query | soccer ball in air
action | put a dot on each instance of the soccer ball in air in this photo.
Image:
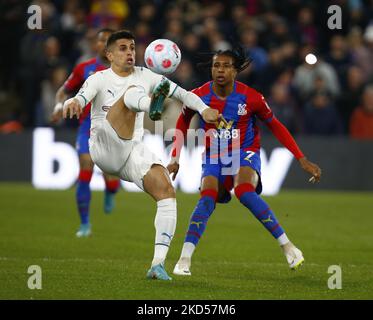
(162, 56)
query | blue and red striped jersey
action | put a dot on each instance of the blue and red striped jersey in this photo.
(240, 109)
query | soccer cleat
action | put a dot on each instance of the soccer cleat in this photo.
(84, 231)
(159, 95)
(182, 267)
(108, 202)
(294, 257)
(158, 272)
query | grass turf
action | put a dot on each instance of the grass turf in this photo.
(236, 258)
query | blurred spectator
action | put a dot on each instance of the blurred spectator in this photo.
(305, 75)
(270, 73)
(339, 57)
(67, 19)
(289, 53)
(249, 39)
(361, 55)
(306, 28)
(87, 45)
(49, 89)
(279, 33)
(190, 45)
(185, 76)
(284, 107)
(140, 52)
(361, 124)
(147, 12)
(321, 116)
(108, 13)
(350, 96)
(174, 31)
(368, 37)
(218, 43)
(142, 33)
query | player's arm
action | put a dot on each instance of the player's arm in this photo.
(286, 139)
(73, 83)
(60, 98)
(189, 99)
(182, 125)
(195, 103)
(74, 106)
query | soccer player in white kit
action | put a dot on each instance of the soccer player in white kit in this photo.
(120, 95)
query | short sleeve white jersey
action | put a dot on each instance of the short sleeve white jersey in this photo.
(105, 87)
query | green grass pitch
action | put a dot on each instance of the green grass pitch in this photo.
(236, 259)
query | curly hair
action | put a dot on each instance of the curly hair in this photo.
(240, 60)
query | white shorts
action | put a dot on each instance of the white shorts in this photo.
(130, 160)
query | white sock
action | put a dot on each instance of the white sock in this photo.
(283, 239)
(137, 100)
(188, 249)
(165, 225)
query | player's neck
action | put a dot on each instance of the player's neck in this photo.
(121, 72)
(223, 91)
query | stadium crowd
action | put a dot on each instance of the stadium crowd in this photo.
(334, 96)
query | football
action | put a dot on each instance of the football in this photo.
(162, 56)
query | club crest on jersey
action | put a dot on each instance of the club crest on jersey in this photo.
(242, 109)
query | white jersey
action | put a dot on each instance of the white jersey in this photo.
(128, 159)
(104, 88)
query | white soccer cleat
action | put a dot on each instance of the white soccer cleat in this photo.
(84, 231)
(182, 267)
(294, 257)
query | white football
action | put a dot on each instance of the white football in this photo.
(162, 56)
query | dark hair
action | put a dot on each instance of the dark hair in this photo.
(240, 60)
(108, 30)
(121, 34)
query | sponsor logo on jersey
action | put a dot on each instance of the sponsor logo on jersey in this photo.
(242, 109)
(105, 108)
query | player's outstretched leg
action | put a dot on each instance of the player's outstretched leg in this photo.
(158, 185)
(112, 185)
(197, 226)
(250, 199)
(83, 198)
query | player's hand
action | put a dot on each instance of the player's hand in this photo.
(72, 108)
(173, 168)
(210, 115)
(56, 116)
(311, 168)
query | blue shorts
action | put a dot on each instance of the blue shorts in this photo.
(225, 176)
(83, 136)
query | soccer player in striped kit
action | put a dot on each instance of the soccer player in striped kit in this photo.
(83, 192)
(237, 140)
